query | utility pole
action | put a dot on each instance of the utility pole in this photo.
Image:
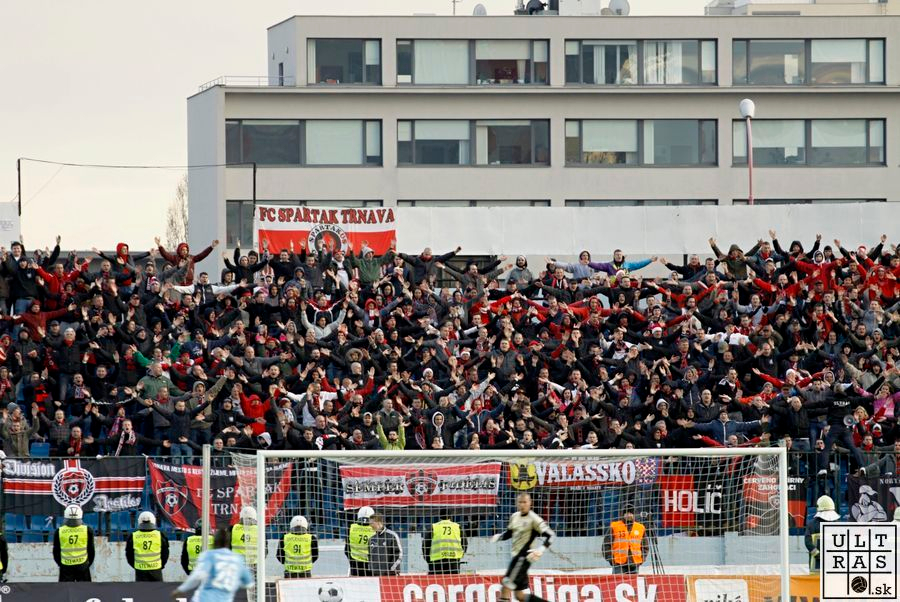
(454, 3)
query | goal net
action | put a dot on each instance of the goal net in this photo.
(648, 525)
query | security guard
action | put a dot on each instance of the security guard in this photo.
(357, 547)
(193, 546)
(825, 513)
(443, 547)
(244, 535)
(73, 547)
(299, 549)
(147, 549)
(625, 546)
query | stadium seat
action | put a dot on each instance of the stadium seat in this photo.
(40, 522)
(33, 537)
(40, 450)
(92, 520)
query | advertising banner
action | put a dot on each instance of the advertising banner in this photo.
(749, 588)
(331, 227)
(587, 473)
(48, 486)
(420, 485)
(99, 592)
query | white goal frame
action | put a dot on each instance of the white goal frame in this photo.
(457, 455)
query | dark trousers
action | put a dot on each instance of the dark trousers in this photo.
(625, 569)
(303, 575)
(148, 575)
(81, 572)
(359, 569)
(841, 435)
(443, 567)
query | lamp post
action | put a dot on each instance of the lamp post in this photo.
(748, 110)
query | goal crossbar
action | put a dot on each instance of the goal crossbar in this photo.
(780, 453)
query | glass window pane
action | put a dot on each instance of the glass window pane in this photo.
(441, 61)
(502, 61)
(876, 61)
(671, 62)
(442, 142)
(708, 143)
(271, 142)
(739, 62)
(503, 144)
(838, 62)
(404, 131)
(541, 62)
(777, 62)
(612, 63)
(838, 142)
(373, 142)
(333, 142)
(338, 61)
(246, 230)
(876, 141)
(671, 142)
(775, 142)
(404, 62)
(708, 62)
(609, 142)
(573, 141)
(232, 141)
(232, 223)
(541, 134)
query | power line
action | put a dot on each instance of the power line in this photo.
(106, 166)
(47, 183)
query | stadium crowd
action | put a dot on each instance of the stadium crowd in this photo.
(342, 349)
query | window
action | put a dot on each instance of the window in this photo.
(270, 142)
(806, 201)
(487, 203)
(433, 142)
(812, 142)
(641, 142)
(640, 203)
(483, 142)
(661, 62)
(470, 62)
(343, 61)
(324, 142)
(797, 62)
(512, 142)
(679, 62)
(511, 61)
(239, 215)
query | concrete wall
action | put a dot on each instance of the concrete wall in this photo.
(732, 554)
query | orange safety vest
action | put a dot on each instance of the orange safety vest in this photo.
(625, 541)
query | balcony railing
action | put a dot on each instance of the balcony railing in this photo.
(250, 81)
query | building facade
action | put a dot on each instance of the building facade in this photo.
(495, 123)
(806, 8)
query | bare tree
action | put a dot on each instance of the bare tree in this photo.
(177, 215)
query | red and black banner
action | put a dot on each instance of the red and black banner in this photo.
(96, 484)
(177, 490)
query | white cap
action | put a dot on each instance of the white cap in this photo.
(897, 514)
(147, 518)
(73, 512)
(365, 513)
(248, 513)
(299, 522)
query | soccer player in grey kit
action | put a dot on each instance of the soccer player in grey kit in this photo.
(524, 528)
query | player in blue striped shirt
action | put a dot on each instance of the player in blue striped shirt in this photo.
(218, 574)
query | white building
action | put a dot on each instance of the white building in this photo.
(493, 131)
(805, 8)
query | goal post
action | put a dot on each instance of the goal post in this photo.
(713, 518)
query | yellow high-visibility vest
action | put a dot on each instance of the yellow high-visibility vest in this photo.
(298, 553)
(147, 550)
(194, 545)
(243, 541)
(446, 541)
(73, 545)
(359, 542)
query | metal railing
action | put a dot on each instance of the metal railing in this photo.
(250, 81)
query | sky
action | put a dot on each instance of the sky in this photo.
(106, 82)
